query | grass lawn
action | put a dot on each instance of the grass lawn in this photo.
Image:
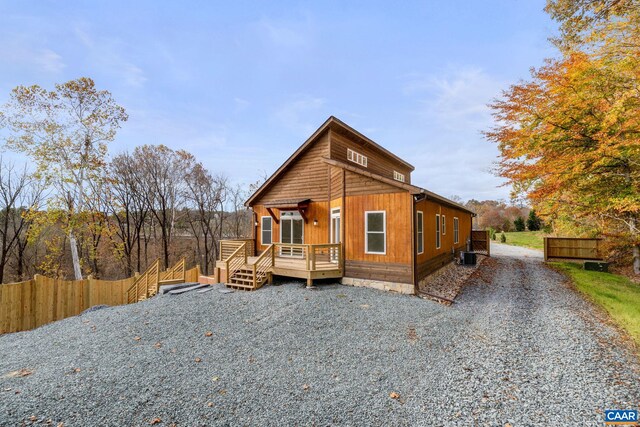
(616, 294)
(528, 239)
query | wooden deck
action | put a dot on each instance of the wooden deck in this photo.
(324, 261)
(297, 267)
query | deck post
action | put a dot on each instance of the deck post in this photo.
(309, 281)
(488, 239)
(307, 256)
(255, 280)
(273, 255)
(313, 257)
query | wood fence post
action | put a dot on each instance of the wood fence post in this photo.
(546, 240)
(488, 240)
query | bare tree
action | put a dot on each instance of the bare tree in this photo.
(205, 194)
(127, 211)
(161, 181)
(20, 193)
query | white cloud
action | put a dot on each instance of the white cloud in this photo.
(283, 34)
(109, 54)
(297, 114)
(241, 104)
(459, 97)
(450, 154)
(23, 54)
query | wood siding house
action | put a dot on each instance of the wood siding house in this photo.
(343, 206)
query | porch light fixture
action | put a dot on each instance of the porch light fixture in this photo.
(315, 222)
(255, 223)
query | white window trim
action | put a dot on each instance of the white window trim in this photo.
(438, 232)
(262, 218)
(398, 176)
(444, 225)
(456, 230)
(366, 232)
(290, 215)
(420, 234)
(355, 157)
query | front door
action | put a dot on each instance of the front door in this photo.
(291, 232)
(335, 231)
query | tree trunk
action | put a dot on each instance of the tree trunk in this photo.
(636, 247)
(74, 256)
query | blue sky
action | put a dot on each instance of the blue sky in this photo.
(242, 84)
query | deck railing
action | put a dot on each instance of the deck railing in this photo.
(236, 260)
(175, 273)
(327, 256)
(262, 266)
(228, 247)
(145, 285)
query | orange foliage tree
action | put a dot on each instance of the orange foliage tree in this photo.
(570, 136)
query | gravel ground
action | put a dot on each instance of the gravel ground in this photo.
(448, 281)
(519, 349)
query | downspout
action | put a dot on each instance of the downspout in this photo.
(414, 256)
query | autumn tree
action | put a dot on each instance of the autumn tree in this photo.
(65, 132)
(568, 137)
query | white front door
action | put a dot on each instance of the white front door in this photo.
(291, 232)
(335, 231)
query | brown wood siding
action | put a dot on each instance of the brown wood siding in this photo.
(306, 177)
(398, 226)
(376, 162)
(313, 234)
(384, 271)
(356, 184)
(433, 258)
(336, 181)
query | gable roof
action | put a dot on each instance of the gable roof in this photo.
(331, 122)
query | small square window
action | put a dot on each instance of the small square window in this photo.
(398, 176)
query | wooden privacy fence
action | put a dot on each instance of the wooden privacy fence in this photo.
(480, 241)
(32, 303)
(572, 248)
(27, 305)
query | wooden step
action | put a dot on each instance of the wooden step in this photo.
(243, 274)
(171, 281)
(241, 279)
(240, 287)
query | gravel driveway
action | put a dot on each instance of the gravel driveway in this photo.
(519, 347)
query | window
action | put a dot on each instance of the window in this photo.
(398, 176)
(420, 231)
(456, 230)
(375, 235)
(437, 231)
(266, 230)
(444, 225)
(356, 157)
